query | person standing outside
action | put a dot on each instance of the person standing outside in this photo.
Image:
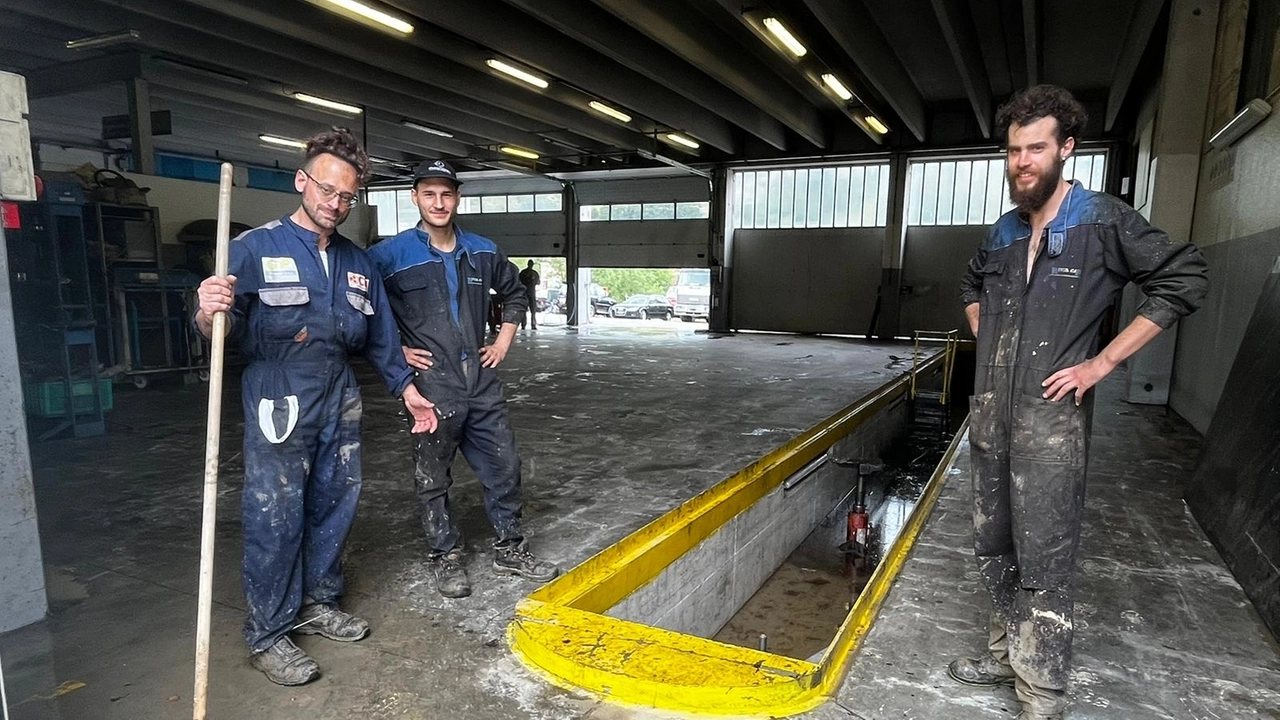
(438, 279)
(1036, 294)
(530, 279)
(300, 299)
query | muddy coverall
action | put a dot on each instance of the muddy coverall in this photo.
(1030, 454)
(441, 303)
(296, 326)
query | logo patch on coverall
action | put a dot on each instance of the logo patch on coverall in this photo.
(358, 281)
(279, 269)
(1066, 272)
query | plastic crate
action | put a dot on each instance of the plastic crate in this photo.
(48, 399)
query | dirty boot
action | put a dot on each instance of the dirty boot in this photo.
(285, 664)
(515, 559)
(328, 621)
(985, 671)
(450, 576)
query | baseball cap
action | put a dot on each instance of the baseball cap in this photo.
(435, 169)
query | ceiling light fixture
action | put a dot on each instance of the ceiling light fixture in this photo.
(784, 36)
(875, 124)
(97, 41)
(517, 73)
(328, 104)
(614, 113)
(374, 14)
(837, 87)
(673, 163)
(425, 128)
(283, 142)
(678, 139)
(519, 152)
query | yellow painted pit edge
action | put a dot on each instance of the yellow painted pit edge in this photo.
(560, 633)
(865, 609)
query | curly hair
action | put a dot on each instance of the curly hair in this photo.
(340, 143)
(1042, 101)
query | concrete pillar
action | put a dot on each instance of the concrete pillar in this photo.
(22, 596)
(1175, 168)
(721, 251)
(886, 322)
(142, 146)
(571, 258)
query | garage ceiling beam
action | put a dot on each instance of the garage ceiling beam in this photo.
(249, 61)
(508, 31)
(962, 38)
(1143, 22)
(1033, 39)
(83, 74)
(701, 43)
(452, 65)
(855, 30)
(249, 106)
(268, 96)
(627, 46)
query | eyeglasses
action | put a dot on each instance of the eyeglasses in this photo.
(328, 193)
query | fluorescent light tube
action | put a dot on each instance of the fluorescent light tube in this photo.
(328, 104)
(678, 139)
(98, 41)
(784, 36)
(371, 13)
(425, 128)
(519, 152)
(837, 87)
(614, 113)
(1250, 115)
(283, 142)
(517, 73)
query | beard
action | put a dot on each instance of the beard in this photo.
(319, 217)
(1034, 197)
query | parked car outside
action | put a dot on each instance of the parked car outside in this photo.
(600, 304)
(643, 307)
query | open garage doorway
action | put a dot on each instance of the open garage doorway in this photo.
(552, 290)
(652, 299)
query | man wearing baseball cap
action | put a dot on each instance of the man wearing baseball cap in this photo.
(438, 278)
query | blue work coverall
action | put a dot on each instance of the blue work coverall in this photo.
(296, 326)
(1030, 455)
(441, 303)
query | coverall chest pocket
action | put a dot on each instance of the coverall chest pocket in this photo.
(422, 297)
(994, 287)
(353, 320)
(283, 315)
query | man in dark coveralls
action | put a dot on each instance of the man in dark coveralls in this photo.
(300, 300)
(1036, 294)
(438, 280)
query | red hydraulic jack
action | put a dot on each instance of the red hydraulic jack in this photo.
(859, 523)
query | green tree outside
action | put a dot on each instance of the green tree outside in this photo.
(622, 283)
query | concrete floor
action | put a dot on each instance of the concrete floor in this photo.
(616, 426)
(1163, 630)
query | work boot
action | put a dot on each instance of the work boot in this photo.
(328, 621)
(985, 671)
(515, 559)
(285, 664)
(450, 576)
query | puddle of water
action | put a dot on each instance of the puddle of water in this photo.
(801, 606)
